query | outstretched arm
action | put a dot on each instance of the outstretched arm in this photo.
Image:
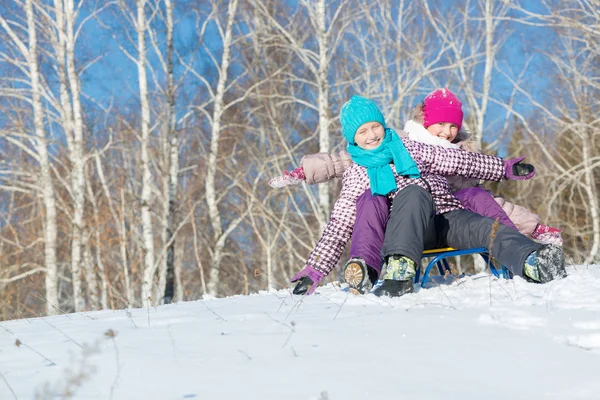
(323, 167)
(443, 161)
(315, 168)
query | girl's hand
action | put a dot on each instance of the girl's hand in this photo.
(288, 178)
(308, 279)
(514, 170)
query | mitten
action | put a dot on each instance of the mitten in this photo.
(308, 280)
(514, 170)
(288, 178)
(547, 235)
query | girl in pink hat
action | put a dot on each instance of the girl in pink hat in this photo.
(438, 121)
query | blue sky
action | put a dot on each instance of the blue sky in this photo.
(113, 79)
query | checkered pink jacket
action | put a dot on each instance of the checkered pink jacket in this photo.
(433, 162)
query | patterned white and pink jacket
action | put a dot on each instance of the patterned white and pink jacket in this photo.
(433, 162)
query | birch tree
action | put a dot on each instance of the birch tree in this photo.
(146, 198)
(72, 121)
(170, 146)
(320, 26)
(140, 23)
(219, 234)
(30, 54)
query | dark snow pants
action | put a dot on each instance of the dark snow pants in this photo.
(413, 227)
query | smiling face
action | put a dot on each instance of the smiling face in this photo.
(369, 135)
(444, 130)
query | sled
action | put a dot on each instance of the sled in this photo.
(440, 260)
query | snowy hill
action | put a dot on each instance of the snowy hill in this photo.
(445, 342)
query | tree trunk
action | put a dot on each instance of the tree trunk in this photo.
(198, 257)
(72, 125)
(178, 269)
(50, 227)
(173, 159)
(147, 230)
(210, 187)
(323, 85)
(592, 194)
(120, 223)
(90, 275)
(106, 290)
(77, 174)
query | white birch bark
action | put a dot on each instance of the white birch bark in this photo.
(323, 84)
(50, 226)
(146, 198)
(210, 186)
(77, 173)
(73, 127)
(490, 56)
(481, 108)
(90, 274)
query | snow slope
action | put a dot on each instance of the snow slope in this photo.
(445, 342)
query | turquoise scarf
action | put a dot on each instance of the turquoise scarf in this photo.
(377, 162)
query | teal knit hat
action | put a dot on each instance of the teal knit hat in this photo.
(357, 111)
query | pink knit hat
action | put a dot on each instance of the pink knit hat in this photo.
(442, 105)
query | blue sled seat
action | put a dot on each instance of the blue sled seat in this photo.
(439, 259)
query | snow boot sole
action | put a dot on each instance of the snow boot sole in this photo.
(357, 277)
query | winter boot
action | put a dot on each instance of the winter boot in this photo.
(359, 276)
(396, 278)
(392, 288)
(545, 264)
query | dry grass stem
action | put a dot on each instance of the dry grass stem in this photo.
(18, 343)
(64, 334)
(111, 334)
(493, 234)
(9, 387)
(211, 310)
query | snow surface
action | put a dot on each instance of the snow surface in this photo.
(444, 342)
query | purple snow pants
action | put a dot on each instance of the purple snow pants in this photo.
(372, 213)
(479, 201)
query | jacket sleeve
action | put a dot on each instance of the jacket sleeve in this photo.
(323, 167)
(336, 235)
(524, 220)
(442, 161)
